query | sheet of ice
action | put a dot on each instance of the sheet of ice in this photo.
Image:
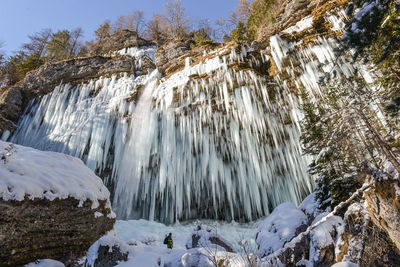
(27, 172)
(279, 227)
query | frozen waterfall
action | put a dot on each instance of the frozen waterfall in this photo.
(211, 141)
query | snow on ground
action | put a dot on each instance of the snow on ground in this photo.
(45, 263)
(345, 264)
(147, 248)
(29, 172)
(146, 237)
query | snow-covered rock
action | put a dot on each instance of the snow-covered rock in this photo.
(284, 223)
(345, 264)
(29, 173)
(45, 263)
(50, 206)
(206, 258)
(107, 251)
(323, 240)
(204, 237)
(310, 206)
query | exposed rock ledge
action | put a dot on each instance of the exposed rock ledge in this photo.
(51, 206)
(42, 81)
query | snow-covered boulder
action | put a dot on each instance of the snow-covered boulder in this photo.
(284, 223)
(204, 257)
(310, 206)
(45, 263)
(345, 264)
(324, 239)
(52, 206)
(203, 237)
(106, 252)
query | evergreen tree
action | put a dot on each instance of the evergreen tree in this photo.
(59, 46)
(238, 35)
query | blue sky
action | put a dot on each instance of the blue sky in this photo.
(19, 18)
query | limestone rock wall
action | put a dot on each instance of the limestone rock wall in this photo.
(58, 229)
(36, 83)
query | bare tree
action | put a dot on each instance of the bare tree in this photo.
(1, 54)
(74, 40)
(175, 19)
(222, 29)
(38, 43)
(133, 21)
(155, 28)
(104, 31)
(241, 13)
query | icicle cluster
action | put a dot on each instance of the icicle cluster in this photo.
(209, 141)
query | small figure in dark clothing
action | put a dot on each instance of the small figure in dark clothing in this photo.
(168, 241)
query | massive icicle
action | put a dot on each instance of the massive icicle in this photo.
(209, 141)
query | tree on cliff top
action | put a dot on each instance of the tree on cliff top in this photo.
(38, 43)
(134, 21)
(59, 46)
(155, 28)
(175, 19)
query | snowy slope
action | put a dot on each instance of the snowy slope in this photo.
(27, 172)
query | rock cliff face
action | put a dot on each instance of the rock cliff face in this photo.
(41, 229)
(171, 57)
(37, 83)
(384, 209)
(120, 39)
(294, 57)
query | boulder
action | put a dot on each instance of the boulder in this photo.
(203, 237)
(51, 206)
(281, 226)
(106, 252)
(286, 222)
(323, 240)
